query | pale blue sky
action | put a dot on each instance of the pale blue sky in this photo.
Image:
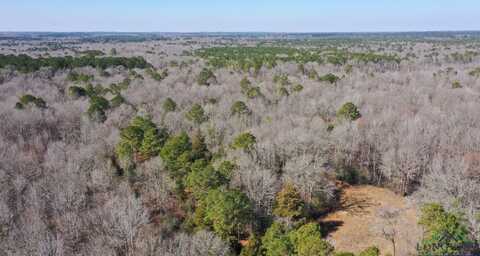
(239, 16)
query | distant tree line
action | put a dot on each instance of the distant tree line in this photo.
(245, 58)
(26, 64)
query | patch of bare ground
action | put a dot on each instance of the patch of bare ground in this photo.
(372, 216)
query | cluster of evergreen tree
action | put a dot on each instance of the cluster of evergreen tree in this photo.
(246, 58)
(78, 77)
(445, 232)
(204, 193)
(201, 182)
(96, 94)
(26, 64)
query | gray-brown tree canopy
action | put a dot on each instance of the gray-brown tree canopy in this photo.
(190, 145)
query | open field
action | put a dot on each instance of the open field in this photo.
(358, 221)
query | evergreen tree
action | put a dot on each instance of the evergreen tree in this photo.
(151, 144)
(199, 147)
(331, 78)
(227, 212)
(445, 233)
(289, 204)
(245, 84)
(240, 108)
(244, 141)
(276, 242)
(117, 101)
(176, 153)
(307, 240)
(169, 105)
(349, 112)
(141, 139)
(203, 178)
(196, 114)
(206, 77)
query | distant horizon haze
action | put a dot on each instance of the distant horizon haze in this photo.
(242, 32)
(269, 16)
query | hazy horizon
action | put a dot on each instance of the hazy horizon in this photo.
(304, 16)
(244, 32)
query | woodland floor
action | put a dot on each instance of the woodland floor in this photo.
(356, 225)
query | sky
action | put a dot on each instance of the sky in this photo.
(239, 15)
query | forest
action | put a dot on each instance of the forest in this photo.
(232, 144)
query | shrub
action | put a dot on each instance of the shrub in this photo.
(347, 174)
(240, 108)
(196, 114)
(344, 254)
(445, 233)
(320, 201)
(371, 251)
(307, 240)
(244, 141)
(169, 105)
(227, 212)
(349, 112)
(331, 78)
(288, 203)
(205, 77)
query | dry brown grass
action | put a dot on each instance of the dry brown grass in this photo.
(354, 226)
